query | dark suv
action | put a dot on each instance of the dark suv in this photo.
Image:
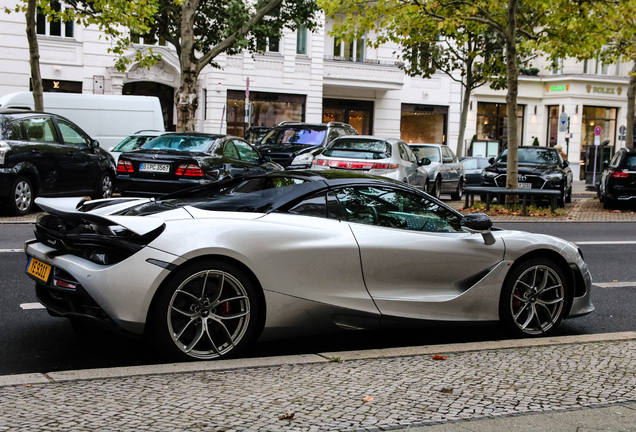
(618, 182)
(294, 145)
(47, 155)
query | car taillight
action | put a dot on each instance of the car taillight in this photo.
(189, 170)
(385, 166)
(320, 162)
(619, 174)
(124, 166)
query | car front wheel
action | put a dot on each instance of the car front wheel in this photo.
(206, 311)
(21, 196)
(437, 188)
(104, 187)
(457, 195)
(534, 298)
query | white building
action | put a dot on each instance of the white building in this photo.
(309, 77)
(304, 77)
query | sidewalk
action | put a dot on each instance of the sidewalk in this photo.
(570, 383)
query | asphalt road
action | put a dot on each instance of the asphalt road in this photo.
(32, 341)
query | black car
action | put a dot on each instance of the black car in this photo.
(294, 145)
(473, 167)
(618, 182)
(539, 168)
(177, 161)
(48, 155)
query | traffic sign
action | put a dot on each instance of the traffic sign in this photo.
(598, 131)
(597, 140)
(563, 122)
(622, 130)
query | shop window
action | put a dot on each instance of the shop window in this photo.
(301, 39)
(492, 122)
(359, 114)
(53, 28)
(269, 110)
(423, 124)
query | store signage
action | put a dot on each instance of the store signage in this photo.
(603, 90)
(564, 87)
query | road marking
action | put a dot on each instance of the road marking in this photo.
(618, 242)
(614, 284)
(11, 250)
(26, 306)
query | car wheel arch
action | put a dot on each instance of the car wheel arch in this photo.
(29, 171)
(217, 259)
(559, 260)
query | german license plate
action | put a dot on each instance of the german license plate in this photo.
(148, 167)
(525, 185)
(38, 269)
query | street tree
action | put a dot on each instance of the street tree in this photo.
(115, 18)
(524, 26)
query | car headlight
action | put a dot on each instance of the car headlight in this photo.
(552, 177)
(4, 149)
(488, 174)
(303, 159)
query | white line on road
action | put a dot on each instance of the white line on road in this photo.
(26, 306)
(614, 284)
(11, 250)
(618, 242)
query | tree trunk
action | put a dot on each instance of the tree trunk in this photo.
(511, 98)
(186, 98)
(631, 99)
(463, 118)
(34, 56)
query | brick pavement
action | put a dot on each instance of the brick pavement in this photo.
(412, 390)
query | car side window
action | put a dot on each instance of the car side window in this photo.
(393, 208)
(447, 154)
(230, 150)
(15, 132)
(333, 134)
(402, 150)
(409, 153)
(40, 130)
(315, 205)
(71, 135)
(246, 152)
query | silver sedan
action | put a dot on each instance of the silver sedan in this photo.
(445, 173)
(203, 273)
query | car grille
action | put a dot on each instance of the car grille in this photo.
(284, 159)
(536, 181)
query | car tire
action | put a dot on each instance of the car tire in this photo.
(104, 187)
(609, 204)
(426, 187)
(534, 299)
(21, 197)
(600, 195)
(192, 317)
(568, 197)
(457, 195)
(437, 188)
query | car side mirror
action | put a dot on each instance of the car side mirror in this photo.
(478, 223)
(94, 144)
(491, 161)
(566, 164)
(425, 161)
(605, 164)
(266, 159)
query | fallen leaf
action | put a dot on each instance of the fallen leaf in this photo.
(614, 280)
(439, 357)
(447, 390)
(27, 385)
(286, 416)
(368, 399)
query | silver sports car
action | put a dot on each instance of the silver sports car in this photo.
(207, 271)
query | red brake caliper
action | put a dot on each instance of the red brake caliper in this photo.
(225, 308)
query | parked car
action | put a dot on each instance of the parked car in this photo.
(177, 161)
(618, 182)
(48, 155)
(255, 134)
(445, 172)
(294, 145)
(133, 142)
(106, 118)
(386, 157)
(539, 168)
(473, 166)
(204, 272)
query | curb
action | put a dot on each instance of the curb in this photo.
(222, 365)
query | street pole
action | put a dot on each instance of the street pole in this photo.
(567, 140)
(247, 106)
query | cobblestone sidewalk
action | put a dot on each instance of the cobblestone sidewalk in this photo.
(355, 395)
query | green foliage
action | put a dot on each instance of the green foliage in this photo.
(536, 142)
(531, 71)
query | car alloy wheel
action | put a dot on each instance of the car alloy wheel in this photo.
(437, 188)
(20, 201)
(534, 299)
(207, 312)
(105, 187)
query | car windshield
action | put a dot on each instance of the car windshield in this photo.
(358, 149)
(429, 152)
(542, 156)
(471, 164)
(131, 143)
(291, 136)
(187, 143)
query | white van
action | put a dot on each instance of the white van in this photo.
(106, 118)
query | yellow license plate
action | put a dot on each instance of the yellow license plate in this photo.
(38, 269)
